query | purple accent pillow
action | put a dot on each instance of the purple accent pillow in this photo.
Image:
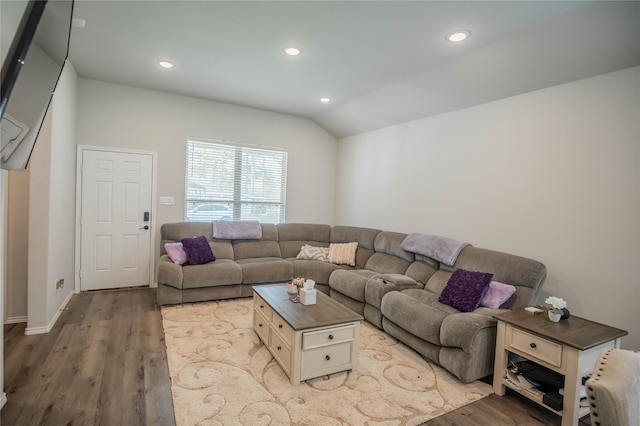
(176, 253)
(497, 294)
(465, 289)
(198, 250)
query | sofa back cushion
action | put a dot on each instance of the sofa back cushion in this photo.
(422, 269)
(267, 246)
(365, 237)
(175, 232)
(389, 257)
(527, 275)
(292, 236)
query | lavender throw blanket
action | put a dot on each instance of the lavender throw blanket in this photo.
(237, 230)
(442, 249)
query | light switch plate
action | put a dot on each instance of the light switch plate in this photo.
(167, 200)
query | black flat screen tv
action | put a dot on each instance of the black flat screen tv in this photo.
(30, 72)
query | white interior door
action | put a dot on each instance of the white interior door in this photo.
(115, 231)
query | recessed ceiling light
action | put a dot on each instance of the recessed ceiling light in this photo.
(325, 100)
(458, 36)
(165, 64)
(292, 51)
(78, 21)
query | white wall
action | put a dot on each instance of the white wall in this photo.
(51, 234)
(553, 175)
(125, 117)
(17, 233)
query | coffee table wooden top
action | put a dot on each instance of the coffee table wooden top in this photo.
(574, 331)
(325, 312)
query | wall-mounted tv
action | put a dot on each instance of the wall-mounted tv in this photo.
(35, 36)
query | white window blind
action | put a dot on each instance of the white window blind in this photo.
(231, 181)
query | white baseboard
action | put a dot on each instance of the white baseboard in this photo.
(15, 320)
(153, 285)
(3, 399)
(42, 330)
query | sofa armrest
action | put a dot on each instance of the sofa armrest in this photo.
(458, 330)
(169, 273)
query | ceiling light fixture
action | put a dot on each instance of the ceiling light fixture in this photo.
(78, 21)
(165, 64)
(458, 36)
(292, 51)
(325, 100)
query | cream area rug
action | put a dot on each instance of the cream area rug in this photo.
(222, 374)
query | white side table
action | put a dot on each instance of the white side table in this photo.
(570, 347)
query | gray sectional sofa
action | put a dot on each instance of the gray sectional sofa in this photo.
(394, 289)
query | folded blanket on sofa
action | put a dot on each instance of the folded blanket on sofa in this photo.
(237, 229)
(442, 249)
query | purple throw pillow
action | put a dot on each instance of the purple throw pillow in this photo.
(198, 250)
(497, 294)
(176, 253)
(465, 289)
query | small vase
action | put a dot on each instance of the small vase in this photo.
(553, 316)
(292, 290)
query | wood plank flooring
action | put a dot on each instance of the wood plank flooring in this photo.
(105, 363)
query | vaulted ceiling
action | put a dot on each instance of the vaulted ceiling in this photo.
(381, 62)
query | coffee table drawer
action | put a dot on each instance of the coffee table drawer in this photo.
(534, 346)
(284, 329)
(331, 336)
(260, 305)
(281, 352)
(261, 325)
(326, 360)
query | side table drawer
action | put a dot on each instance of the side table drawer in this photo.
(535, 346)
(314, 339)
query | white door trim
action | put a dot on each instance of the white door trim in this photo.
(152, 222)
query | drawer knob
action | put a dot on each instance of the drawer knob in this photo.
(327, 357)
(331, 337)
(279, 325)
(261, 306)
(260, 325)
(533, 345)
(279, 348)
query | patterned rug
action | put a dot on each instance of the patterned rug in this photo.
(223, 375)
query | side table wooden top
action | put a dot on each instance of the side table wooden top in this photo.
(574, 331)
(325, 312)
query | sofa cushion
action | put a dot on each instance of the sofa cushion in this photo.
(198, 250)
(419, 319)
(465, 289)
(314, 270)
(219, 273)
(351, 283)
(292, 236)
(308, 252)
(527, 275)
(176, 253)
(497, 294)
(343, 253)
(265, 270)
(365, 237)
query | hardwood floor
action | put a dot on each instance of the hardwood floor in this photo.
(105, 363)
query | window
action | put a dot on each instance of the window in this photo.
(230, 181)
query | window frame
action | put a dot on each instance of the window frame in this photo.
(243, 206)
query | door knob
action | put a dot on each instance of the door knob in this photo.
(145, 227)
